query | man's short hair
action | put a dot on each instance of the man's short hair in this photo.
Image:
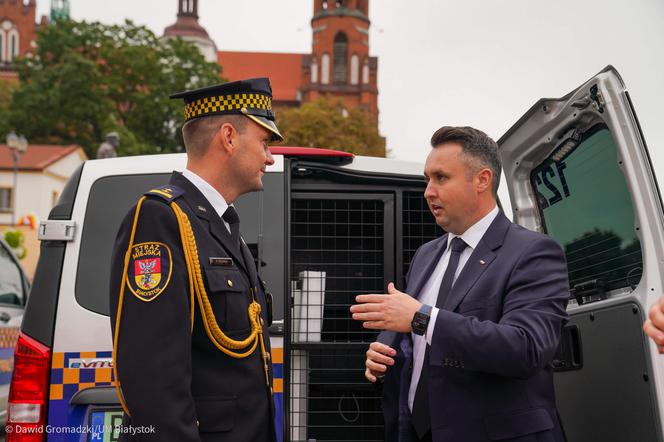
(477, 146)
(198, 133)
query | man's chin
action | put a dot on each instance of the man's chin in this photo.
(443, 223)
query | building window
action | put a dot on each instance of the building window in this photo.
(5, 199)
(325, 69)
(365, 72)
(354, 69)
(324, 4)
(188, 6)
(13, 45)
(314, 71)
(340, 58)
(2, 45)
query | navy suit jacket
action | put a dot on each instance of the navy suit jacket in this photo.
(490, 375)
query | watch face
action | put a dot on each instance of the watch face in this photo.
(420, 322)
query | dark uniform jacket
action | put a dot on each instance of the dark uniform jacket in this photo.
(173, 377)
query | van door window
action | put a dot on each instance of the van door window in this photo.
(11, 283)
(109, 201)
(584, 203)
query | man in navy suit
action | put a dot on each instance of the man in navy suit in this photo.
(465, 353)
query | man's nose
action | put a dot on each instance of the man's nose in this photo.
(429, 192)
(269, 160)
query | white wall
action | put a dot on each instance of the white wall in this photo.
(64, 167)
(35, 189)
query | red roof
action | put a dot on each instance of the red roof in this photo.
(37, 157)
(284, 70)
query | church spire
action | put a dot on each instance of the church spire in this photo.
(187, 27)
(188, 8)
(59, 10)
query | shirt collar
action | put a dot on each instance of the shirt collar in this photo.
(210, 193)
(474, 233)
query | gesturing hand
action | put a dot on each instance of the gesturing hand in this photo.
(393, 311)
(379, 358)
(654, 326)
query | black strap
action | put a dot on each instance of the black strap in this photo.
(421, 416)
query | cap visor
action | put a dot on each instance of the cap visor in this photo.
(267, 124)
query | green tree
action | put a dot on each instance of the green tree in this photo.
(87, 79)
(326, 123)
(15, 239)
(6, 89)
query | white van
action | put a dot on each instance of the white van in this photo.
(329, 226)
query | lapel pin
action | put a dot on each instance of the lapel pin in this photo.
(482, 262)
(202, 209)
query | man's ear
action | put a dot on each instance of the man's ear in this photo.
(227, 137)
(484, 178)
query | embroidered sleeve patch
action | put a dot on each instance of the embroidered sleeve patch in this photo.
(149, 271)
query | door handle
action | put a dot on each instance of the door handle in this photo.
(570, 354)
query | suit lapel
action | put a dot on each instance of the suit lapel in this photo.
(479, 261)
(423, 277)
(204, 211)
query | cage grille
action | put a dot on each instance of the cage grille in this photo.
(330, 398)
(419, 225)
(337, 252)
(339, 248)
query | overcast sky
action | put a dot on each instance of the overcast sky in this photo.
(459, 62)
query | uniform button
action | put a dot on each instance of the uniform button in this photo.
(230, 283)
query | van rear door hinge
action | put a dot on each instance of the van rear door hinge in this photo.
(56, 230)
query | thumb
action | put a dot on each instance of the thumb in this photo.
(391, 289)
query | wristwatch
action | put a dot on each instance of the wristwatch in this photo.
(420, 320)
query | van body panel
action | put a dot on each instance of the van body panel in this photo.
(578, 169)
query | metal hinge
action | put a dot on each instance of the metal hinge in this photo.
(54, 230)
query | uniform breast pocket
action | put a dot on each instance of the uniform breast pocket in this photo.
(230, 298)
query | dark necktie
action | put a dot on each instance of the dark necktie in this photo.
(233, 220)
(421, 416)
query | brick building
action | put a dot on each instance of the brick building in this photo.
(18, 32)
(339, 64)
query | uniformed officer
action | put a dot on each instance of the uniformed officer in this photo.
(189, 316)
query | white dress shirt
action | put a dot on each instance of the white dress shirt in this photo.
(429, 293)
(210, 193)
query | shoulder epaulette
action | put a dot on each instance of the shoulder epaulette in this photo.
(168, 193)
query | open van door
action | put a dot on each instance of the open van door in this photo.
(578, 169)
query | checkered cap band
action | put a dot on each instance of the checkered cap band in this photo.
(225, 103)
(8, 336)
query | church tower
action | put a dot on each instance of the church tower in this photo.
(17, 30)
(340, 64)
(59, 10)
(188, 28)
